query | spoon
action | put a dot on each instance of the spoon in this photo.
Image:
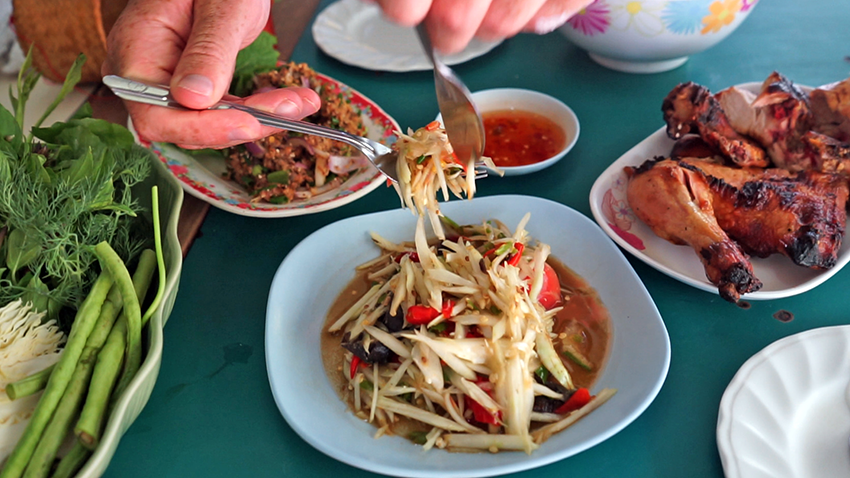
(461, 118)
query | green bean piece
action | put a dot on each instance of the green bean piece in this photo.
(71, 403)
(106, 369)
(126, 376)
(132, 311)
(29, 385)
(84, 321)
(73, 461)
(104, 377)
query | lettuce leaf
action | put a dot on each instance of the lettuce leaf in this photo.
(258, 57)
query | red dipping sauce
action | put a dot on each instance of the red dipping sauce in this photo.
(520, 138)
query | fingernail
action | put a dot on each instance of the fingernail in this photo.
(545, 25)
(240, 134)
(198, 84)
(287, 108)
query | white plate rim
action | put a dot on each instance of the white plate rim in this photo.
(329, 33)
(645, 149)
(729, 414)
(626, 406)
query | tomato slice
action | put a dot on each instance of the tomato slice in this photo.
(550, 294)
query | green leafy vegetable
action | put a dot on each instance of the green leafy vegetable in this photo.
(63, 189)
(258, 57)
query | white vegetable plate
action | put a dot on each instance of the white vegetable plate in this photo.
(356, 33)
(786, 413)
(780, 276)
(302, 292)
(201, 175)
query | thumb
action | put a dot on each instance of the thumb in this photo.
(219, 30)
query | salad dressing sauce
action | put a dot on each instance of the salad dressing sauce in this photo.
(520, 138)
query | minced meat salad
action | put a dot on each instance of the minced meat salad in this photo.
(288, 165)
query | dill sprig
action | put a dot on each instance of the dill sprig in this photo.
(64, 189)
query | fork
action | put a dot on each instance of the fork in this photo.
(381, 156)
(461, 118)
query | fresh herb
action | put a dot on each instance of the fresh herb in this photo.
(63, 189)
(420, 438)
(542, 373)
(279, 177)
(258, 57)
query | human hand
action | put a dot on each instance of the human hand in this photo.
(191, 45)
(452, 24)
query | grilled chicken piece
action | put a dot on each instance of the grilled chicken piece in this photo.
(693, 146)
(830, 106)
(690, 108)
(777, 119)
(780, 119)
(676, 203)
(800, 215)
(728, 213)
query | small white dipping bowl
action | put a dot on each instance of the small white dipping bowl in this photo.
(500, 99)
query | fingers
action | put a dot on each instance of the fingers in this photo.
(553, 14)
(452, 23)
(219, 30)
(405, 12)
(147, 39)
(506, 18)
(221, 128)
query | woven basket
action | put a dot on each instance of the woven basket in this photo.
(59, 30)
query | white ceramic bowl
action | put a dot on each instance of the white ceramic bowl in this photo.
(499, 99)
(650, 36)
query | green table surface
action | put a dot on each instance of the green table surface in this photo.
(212, 412)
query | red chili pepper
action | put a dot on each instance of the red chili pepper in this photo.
(448, 305)
(432, 125)
(355, 361)
(473, 332)
(514, 260)
(421, 314)
(481, 414)
(578, 399)
(413, 256)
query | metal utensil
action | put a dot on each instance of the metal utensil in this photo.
(381, 156)
(461, 118)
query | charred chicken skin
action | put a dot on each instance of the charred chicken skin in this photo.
(690, 108)
(676, 203)
(830, 106)
(778, 121)
(800, 215)
(727, 214)
(717, 194)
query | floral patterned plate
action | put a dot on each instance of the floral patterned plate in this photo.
(201, 176)
(781, 277)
